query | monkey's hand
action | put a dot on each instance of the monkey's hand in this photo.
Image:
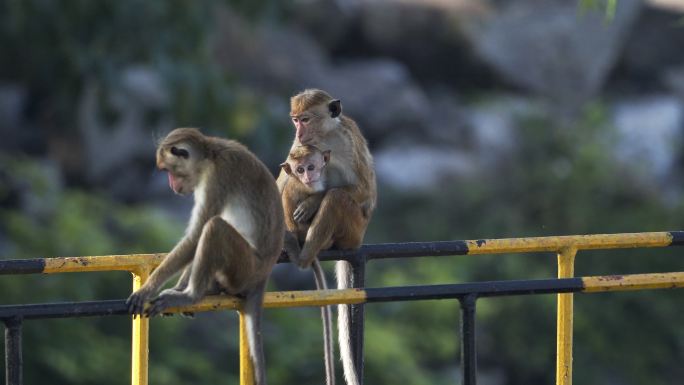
(307, 208)
(136, 301)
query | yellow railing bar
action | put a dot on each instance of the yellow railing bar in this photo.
(280, 299)
(633, 282)
(246, 368)
(579, 242)
(481, 246)
(315, 298)
(140, 337)
(131, 263)
(564, 319)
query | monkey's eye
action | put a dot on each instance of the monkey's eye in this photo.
(300, 170)
(179, 152)
(305, 120)
(310, 167)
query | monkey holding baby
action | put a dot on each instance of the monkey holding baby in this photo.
(329, 193)
(234, 237)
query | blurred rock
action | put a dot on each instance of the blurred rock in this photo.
(492, 123)
(275, 58)
(551, 49)
(12, 104)
(379, 94)
(425, 36)
(476, 141)
(650, 135)
(117, 129)
(674, 79)
(13, 126)
(648, 51)
(412, 167)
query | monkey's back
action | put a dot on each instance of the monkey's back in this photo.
(244, 178)
(361, 158)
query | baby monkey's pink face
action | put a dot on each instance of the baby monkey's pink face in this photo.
(181, 163)
(309, 169)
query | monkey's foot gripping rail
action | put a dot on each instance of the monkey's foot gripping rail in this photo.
(566, 248)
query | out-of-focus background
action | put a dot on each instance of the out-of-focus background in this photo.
(487, 119)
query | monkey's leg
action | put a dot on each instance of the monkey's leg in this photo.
(180, 256)
(183, 280)
(326, 317)
(291, 246)
(339, 221)
(221, 249)
(289, 200)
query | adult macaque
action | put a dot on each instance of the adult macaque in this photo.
(234, 237)
(305, 164)
(348, 203)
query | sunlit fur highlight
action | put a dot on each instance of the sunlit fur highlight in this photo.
(307, 99)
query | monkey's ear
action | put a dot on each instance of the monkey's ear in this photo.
(326, 156)
(286, 166)
(335, 108)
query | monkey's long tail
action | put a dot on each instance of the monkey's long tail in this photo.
(252, 310)
(326, 317)
(343, 272)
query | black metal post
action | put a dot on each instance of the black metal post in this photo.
(468, 350)
(13, 357)
(356, 329)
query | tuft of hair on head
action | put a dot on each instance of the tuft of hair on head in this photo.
(187, 135)
(301, 152)
(307, 99)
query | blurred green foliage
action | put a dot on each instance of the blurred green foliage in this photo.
(608, 6)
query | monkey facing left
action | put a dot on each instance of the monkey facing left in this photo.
(234, 237)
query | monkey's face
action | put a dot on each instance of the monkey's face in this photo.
(314, 124)
(308, 173)
(183, 164)
(309, 170)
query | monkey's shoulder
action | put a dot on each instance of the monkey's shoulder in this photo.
(338, 174)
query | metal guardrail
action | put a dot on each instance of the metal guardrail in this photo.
(565, 246)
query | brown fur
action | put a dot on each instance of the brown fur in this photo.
(235, 234)
(293, 196)
(347, 206)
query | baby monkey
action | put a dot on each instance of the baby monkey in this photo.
(305, 164)
(301, 200)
